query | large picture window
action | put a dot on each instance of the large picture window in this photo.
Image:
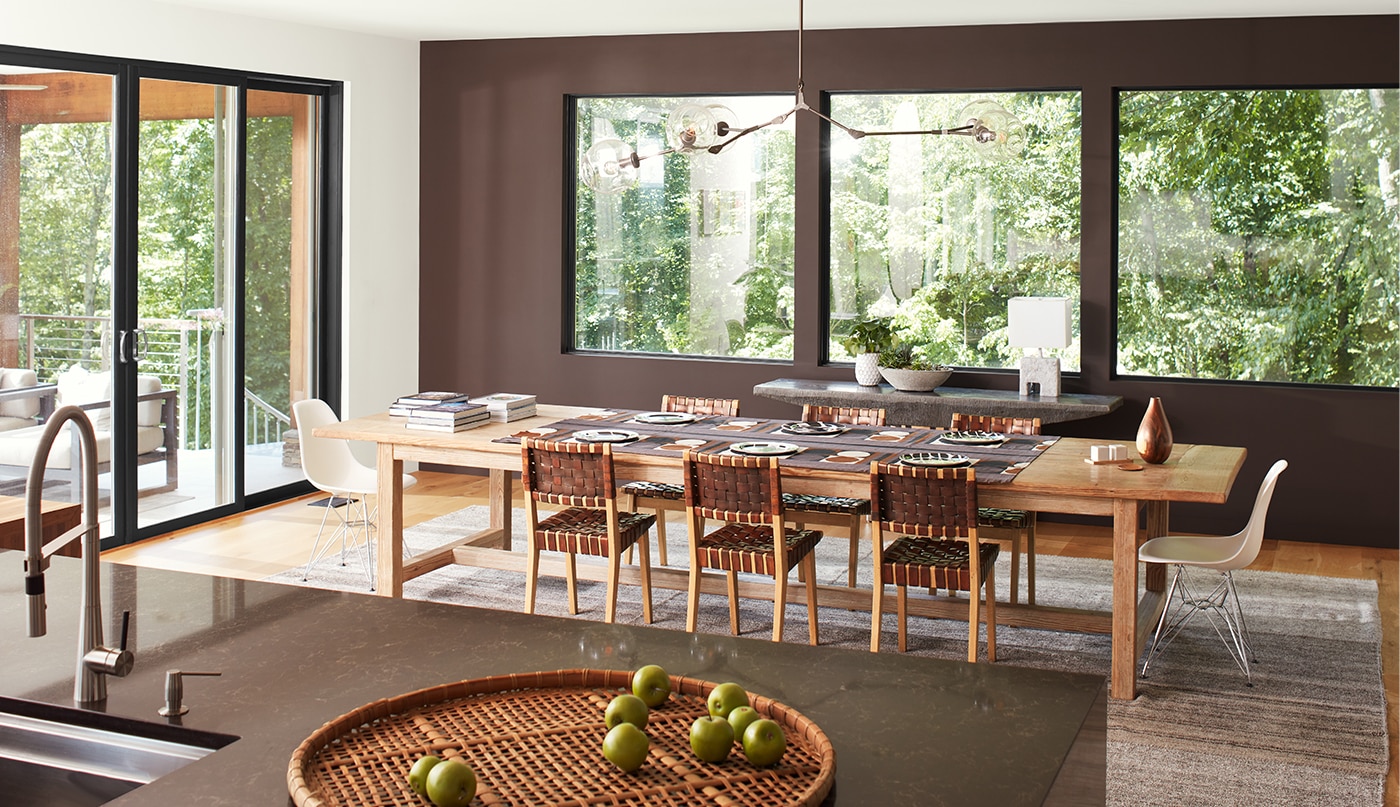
(1257, 235)
(697, 259)
(927, 231)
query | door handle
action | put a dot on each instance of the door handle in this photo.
(131, 346)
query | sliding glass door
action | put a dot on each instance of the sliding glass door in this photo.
(161, 244)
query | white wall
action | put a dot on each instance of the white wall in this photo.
(380, 245)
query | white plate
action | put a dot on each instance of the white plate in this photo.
(972, 438)
(765, 449)
(606, 436)
(663, 418)
(814, 428)
(934, 459)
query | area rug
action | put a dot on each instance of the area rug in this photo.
(1311, 731)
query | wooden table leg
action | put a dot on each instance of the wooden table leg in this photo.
(389, 521)
(1155, 577)
(1123, 680)
(501, 495)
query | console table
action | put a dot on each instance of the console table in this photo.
(936, 408)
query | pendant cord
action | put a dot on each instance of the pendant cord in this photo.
(799, 43)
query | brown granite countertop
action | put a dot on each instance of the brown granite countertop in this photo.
(906, 730)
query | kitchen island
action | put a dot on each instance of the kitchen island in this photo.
(906, 730)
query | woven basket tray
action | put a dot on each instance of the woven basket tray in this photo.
(536, 738)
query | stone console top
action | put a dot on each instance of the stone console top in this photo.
(936, 408)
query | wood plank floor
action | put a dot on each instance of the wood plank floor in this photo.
(264, 542)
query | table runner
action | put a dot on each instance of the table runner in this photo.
(994, 464)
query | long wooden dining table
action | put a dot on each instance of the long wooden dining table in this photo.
(1058, 480)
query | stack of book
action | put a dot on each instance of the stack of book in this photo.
(448, 417)
(405, 405)
(508, 406)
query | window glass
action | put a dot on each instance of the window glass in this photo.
(1257, 235)
(696, 259)
(928, 231)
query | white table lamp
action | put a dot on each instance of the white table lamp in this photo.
(1039, 322)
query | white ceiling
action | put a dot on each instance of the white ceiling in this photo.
(492, 19)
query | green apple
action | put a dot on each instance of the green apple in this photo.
(652, 685)
(764, 742)
(626, 709)
(711, 738)
(626, 746)
(451, 783)
(740, 718)
(725, 698)
(418, 774)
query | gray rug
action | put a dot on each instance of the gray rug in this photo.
(1311, 731)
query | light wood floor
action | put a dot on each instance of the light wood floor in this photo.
(264, 542)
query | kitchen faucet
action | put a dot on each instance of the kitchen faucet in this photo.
(95, 661)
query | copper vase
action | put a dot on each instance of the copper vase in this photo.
(1154, 436)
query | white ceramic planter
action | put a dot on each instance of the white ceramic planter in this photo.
(868, 369)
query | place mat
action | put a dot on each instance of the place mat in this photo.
(536, 738)
(853, 449)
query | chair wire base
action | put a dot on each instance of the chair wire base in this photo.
(1221, 606)
(356, 529)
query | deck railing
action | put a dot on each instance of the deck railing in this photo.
(177, 351)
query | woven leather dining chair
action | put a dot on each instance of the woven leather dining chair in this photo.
(746, 494)
(1223, 554)
(579, 476)
(835, 511)
(662, 497)
(935, 512)
(1002, 523)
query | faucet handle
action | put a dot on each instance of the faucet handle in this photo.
(175, 692)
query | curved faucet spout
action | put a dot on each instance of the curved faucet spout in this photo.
(95, 661)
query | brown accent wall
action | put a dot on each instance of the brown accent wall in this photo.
(494, 137)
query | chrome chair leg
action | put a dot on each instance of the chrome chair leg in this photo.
(1155, 646)
(1229, 626)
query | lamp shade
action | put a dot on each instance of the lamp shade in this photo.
(1038, 322)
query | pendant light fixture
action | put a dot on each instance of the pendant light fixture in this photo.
(611, 166)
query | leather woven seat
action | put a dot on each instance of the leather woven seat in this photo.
(935, 509)
(835, 511)
(579, 476)
(661, 497)
(1020, 523)
(746, 494)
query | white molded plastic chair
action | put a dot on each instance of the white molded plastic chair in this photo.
(331, 467)
(1223, 554)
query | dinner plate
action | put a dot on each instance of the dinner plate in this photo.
(934, 459)
(664, 418)
(606, 436)
(765, 449)
(972, 438)
(814, 427)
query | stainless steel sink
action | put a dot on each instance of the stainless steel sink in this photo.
(52, 755)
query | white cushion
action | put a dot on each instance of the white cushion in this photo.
(17, 447)
(24, 408)
(76, 386)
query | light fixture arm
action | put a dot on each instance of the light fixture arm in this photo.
(610, 166)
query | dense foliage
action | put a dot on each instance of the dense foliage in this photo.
(1258, 235)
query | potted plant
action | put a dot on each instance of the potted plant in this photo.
(865, 340)
(909, 371)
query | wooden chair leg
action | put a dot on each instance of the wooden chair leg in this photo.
(1030, 558)
(627, 502)
(644, 551)
(877, 605)
(991, 591)
(854, 551)
(974, 616)
(1015, 584)
(811, 563)
(532, 575)
(801, 569)
(732, 579)
(692, 597)
(902, 598)
(614, 560)
(779, 603)
(571, 575)
(661, 535)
